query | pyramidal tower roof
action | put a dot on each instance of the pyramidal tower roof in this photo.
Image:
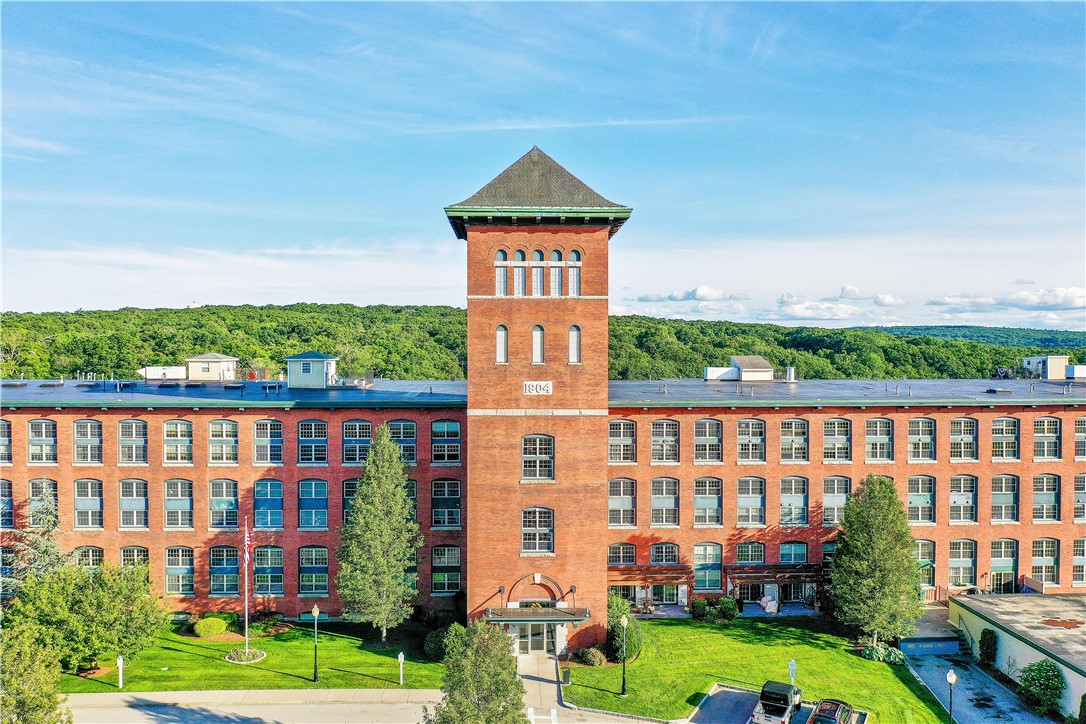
(536, 188)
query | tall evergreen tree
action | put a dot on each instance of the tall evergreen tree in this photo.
(379, 541)
(481, 684)
(28, 679)
(35, 551)
(876, 579)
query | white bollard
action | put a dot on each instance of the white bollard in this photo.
(400, 657)
(120, 672)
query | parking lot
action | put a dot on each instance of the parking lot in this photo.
(734, 706)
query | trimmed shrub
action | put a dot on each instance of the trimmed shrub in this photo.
(264, 617)
(206, 627)
(590, 656)
(988, 645)
(727, 609)
(232, 620)
(876, 652)
(699, 607)
(434, 645)
(1043, 684)
(894, 656)
(617, 607)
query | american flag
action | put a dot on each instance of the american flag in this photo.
(248, 542)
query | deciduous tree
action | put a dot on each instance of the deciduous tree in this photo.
(481, 684)
(28, 679)
(379, 541)
(876, 579)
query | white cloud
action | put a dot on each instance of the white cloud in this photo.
(700, 293)
(1054, 300)
(888, 300)
(790, 309)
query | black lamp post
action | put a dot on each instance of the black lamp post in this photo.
(952, 679)
(625, 622)
(316, 612)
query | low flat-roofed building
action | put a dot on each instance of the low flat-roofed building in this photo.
(1030, 628)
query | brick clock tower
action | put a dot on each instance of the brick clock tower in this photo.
(536, 489)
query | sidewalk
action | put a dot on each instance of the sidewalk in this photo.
(251, 697)
(540, 676)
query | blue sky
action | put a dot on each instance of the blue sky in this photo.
(799, 163)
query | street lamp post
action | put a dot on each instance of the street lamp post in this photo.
(952, 679)
(625, 622)
(316, 612)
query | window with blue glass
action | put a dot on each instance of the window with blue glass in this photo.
(268, 571)
(42, 442)
(133, 503)
(313, 571)
(793, 552)
(404, 434)
(5, 441)
(708, 495)
(7, 505)
(178, 503)
(445, 442)
(750, 502)
(88, 442)
(132, 448)
(88, 503)
(268, 442)
(7, 569)
(177, 442)
(43, 501)
(350, 491)
(313, 441)
(445, 570)
(268, 504)
(224, 504)
(313, 504)
(224, 571)
(445, 503)
(794, 501)
(357, 436)
(707, 560)
(180, 571)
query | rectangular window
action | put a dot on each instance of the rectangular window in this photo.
(708, 497)
(403, 434)
(1046, 561)
(665, 501)
(1080, 438)
(621, 442)
(751, 501)
(178, 503)
(224, 504)
(313, 504)
(1080, 498)
(134, 504)
(7, 505)
(1046, 438)
(1004, 498)
(501, 281)
(921, 440)
(42, 442)
(313, 442)
(445, 443)
(1046, 497)
(177, 442)
(268, 504)
(312, 571)
(88, 504)
(520, 277)
(133, 443)
(963, 563)
(43, 499)
(924, 551)
(879, 442)
(963, 498)
(537, 458)
(621, 503)
(556, 281)
(707, 566)
(445, 582)
(921, 499)
(5, 441)
(963, 439)
(575, 281)
(537, 531)
(1078, 562)
(224, 571)
(665, 441)
(837, 440)
(537, 281)
(664, 554)
(794, 501)
(835, 492)
(268, 571)
(621, 554)
(750, 444)
(179, 571)
(88, 442)
(794, 445)
(1005, 439)
(268, 442)
(708, 441)
(224, 442)
(357, 435)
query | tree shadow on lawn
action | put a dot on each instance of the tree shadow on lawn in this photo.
(188, 714)
(918, 690)
(367, 676)
(778, 632)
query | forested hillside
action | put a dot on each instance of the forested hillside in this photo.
(1003, 336)
(430, 343)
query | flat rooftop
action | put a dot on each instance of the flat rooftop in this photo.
(622, 393)
(1025, 615)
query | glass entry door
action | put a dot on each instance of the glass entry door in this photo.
(536, 637)
(665, 594)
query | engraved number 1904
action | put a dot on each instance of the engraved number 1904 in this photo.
(537, 388)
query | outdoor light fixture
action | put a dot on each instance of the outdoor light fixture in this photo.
(952, 679)
(501, 596)
(316, 613)
(625, 622)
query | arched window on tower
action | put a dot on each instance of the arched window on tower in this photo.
(501, 345)
(520, 274)
(537, 273)
(556, 273)
(575, 345)
(537, 345)
(501, 274)
(574, 274)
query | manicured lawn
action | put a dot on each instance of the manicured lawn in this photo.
(346, 661)
(682, 659)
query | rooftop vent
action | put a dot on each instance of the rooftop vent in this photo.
(997, 391)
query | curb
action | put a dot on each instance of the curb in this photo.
(135, 701)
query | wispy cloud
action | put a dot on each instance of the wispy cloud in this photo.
(700, 293)
(1045, 300)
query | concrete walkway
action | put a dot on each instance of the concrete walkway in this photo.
(540, 676)
(978, 698)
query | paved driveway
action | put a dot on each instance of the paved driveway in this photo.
(978, 698)
(734, 707)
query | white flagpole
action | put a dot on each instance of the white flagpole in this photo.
(246, 587)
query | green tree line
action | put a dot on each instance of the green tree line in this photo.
(430, 342)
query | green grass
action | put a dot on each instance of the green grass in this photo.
(347, 660)
(681, 659)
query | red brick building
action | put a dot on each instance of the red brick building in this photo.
(540, 484)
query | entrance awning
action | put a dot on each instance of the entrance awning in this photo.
(537, 615)
(775, 573)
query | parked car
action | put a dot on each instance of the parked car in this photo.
(831, 711)
(777, 704)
